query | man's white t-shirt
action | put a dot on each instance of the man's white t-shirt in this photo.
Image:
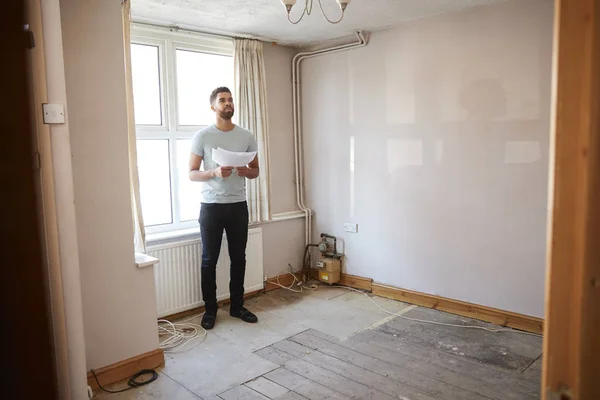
(222, 190)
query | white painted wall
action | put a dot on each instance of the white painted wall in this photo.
(119, 306)
(283, 240)
(59, 211)
(283, 244)
(435, 140)
(278, 66)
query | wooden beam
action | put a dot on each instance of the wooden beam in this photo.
(484, 313)
(125, 369)
(357, 282)
(572, 345)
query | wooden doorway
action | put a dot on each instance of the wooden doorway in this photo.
(28, 355)
(572, 330)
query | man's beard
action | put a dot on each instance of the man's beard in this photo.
(226, 114)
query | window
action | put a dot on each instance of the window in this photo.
(193, 68)
(173, 75)
(146, 84)
(155, 181)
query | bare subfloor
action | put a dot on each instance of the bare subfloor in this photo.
(331, 343)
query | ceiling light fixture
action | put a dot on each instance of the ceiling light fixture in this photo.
(308, 5)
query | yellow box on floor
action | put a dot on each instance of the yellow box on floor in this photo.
(329, 270)
(329, 276)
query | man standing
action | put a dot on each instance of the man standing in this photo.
(224, 206)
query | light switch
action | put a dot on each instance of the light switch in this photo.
(352, 228)
(53, 113)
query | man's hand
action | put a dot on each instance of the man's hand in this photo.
(247, 172)
(223, 172)
(243, 171)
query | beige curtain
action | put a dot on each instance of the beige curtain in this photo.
(134, 182)
(251, 107)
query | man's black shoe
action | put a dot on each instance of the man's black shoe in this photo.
(244, 315)
(208, 320)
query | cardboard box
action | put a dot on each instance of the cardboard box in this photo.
(330, 277)
(329, 265)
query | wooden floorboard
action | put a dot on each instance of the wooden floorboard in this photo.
(291, 396)
(534, 371)
(492, 375)
(320, 375)
(408, 359)
(454, 370)
(511, 351)
(462, 380)
(353, 372)
(305, 387)
(267, 388)
(242, 393)
(423, 382)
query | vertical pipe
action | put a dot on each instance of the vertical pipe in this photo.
(297, 124)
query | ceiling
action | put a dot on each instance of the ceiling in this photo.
(267, 19)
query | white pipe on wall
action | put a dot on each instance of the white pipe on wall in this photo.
(297, 123)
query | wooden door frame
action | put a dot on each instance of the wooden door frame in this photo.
(28, 353)
(572, 329)
(47, 198)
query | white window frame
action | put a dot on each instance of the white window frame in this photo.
(168, 41)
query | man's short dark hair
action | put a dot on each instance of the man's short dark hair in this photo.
(215, 93)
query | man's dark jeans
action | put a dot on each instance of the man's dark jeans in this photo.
(214, 219)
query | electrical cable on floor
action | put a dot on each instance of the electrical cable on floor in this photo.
(179, 334)
(133, 382)
(296, 281)
(400, 315)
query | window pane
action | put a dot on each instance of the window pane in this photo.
(155, 182)
(198, 74)
(189, 192)
(146, 84)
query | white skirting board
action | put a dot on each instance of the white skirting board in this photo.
(177, 275)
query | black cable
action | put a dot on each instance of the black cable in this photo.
(132, 381)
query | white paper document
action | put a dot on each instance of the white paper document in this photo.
(226, 158)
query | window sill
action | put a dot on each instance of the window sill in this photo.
(154, 239)
(144, 260)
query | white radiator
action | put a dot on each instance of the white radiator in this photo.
(177, 275)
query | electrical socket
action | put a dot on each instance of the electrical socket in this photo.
(53, 113)
(352, 228)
